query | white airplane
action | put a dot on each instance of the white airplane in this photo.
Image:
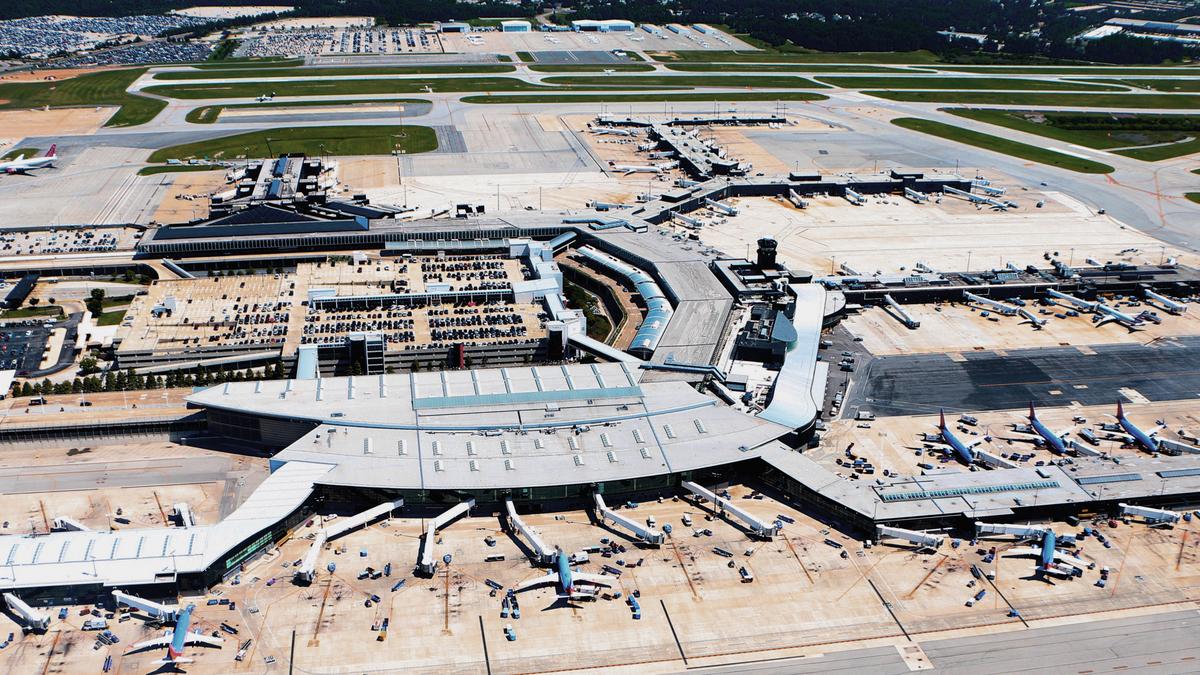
(428, 89)
(1050, 559)
(565, 579)
(265, 97)
(609, 71)
(176, 639)
(28, 163)
(1112, 315)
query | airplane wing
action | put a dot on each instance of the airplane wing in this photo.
(976, 442)
(1023, 550)
(597, 579)
(551, 578)
(1071, 560)
(152, 644)
(197, 638)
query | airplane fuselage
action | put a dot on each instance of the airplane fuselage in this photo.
(964, 454)
(1049, 542)
(179, 636)
(564, 574)
(1140, 437)
(1054, 441)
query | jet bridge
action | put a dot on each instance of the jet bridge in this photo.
(908, 321)
(427, 565)
(718, 206)
(307, 570)
(854, 197)
(647, 534)
(67, 524)
(921, 539)
(758, 527)
(183, 512)
(1000, 528)
(34, 620)
(994, 305)
(153, 609)
(1030, 318)
(542, 554)
(1152, 515)
(1078, 303)
(796, 200)
(1168, 304)
(914, 196)
(690, 222)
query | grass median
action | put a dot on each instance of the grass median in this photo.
(769, 56)
(1002, 145)
(959, 83)
(177, 168)
(1132, 101)
(104, 88)
(646, 98)
(209, 113)
(333, 87)
(761, 81)
(777, 68)
(1163, 136)
(591, 67)
(253, 73)
(332, 140)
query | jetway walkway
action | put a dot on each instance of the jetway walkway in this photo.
(647, 534)
(153, 609)
(307, 570)
(34, 620)
(542, 554)
(757, 527)
(427, 565)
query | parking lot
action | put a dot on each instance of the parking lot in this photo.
(22, 344)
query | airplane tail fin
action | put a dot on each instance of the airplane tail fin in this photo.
(1120, 411)
(941, 419)
(1032, 414)
(53, 151)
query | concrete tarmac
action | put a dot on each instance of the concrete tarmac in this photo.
(920, 384)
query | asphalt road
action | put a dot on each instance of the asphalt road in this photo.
(920, 384)
(1160, 643)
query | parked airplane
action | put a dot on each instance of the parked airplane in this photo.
(1050, 559)
(24, 165)
(1135, 435)
(963, 451)
(1112, 315)
(176, 639)
(565, 578)
(1056, 442)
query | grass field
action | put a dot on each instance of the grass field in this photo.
(247, 73)
(30, 312)
(765, 81)
(209, 113)
(337, 141)
(1002, 145)
(111, 318)
(105, 88)
(647, 98)
(958, 83)
(346, 87)
(777, 68)
(1193, 196)
(1072, 70)
(796, 57)
(1133, 101)
(20, 153)
(176, 168)
(1183, 85)
(591, 67)
(1115, 136)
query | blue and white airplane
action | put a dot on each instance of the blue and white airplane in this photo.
(963, 451)
(176, 639)
(1056, 442)
(1142, 439)
(1050, 559)
(565, 579)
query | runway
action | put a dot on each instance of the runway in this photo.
(138, 473)
(921, 384)
(1160, 643)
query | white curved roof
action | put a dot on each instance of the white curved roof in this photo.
(793, 402)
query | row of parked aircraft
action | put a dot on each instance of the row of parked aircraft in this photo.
(966, 453)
